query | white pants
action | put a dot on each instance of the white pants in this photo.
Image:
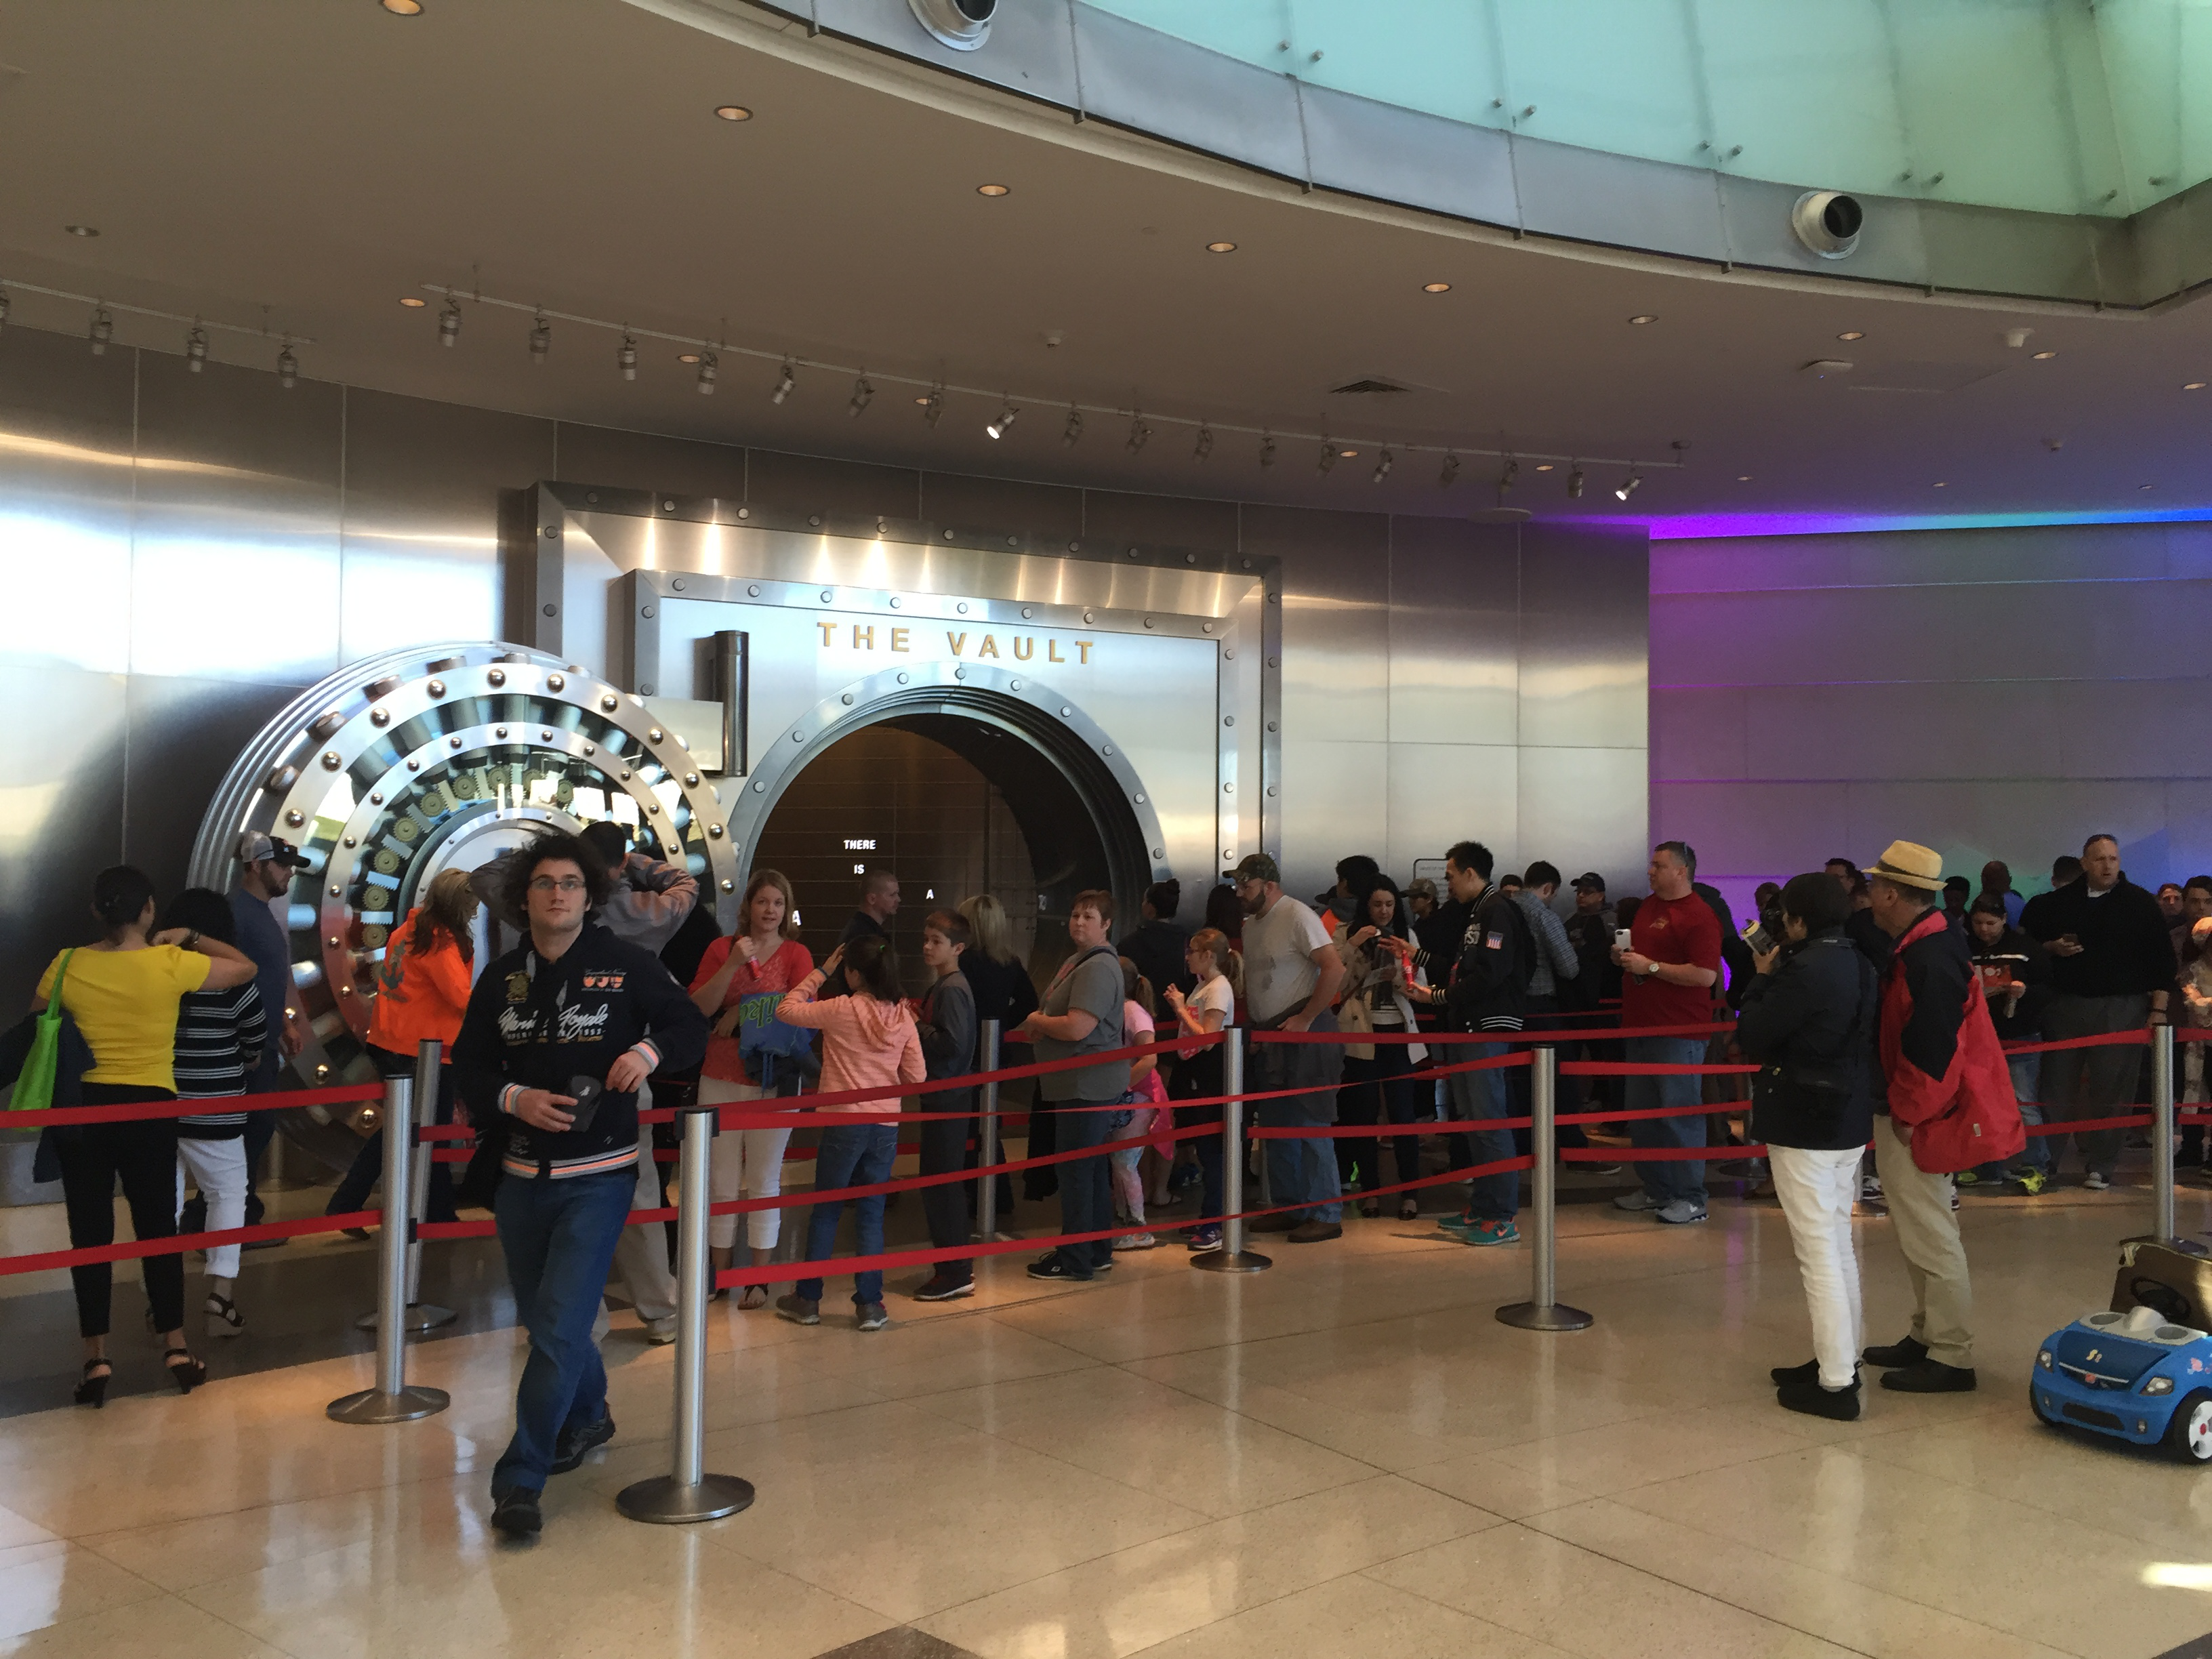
(640, 1259)
(1816, 1189)
(747, 1163)
(218, 1169)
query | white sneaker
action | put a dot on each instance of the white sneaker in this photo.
(1635, 1202)
(1136, 1242)
(2094, 1182)
(659, 1331)
(1870, 1189)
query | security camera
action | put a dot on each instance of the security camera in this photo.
(1827, 222)
(962, 24)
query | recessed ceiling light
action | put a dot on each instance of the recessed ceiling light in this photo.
(733, 112)
(1543, 466)
(411, 302)
(1221, 247)
(2193, 385)
(990, 190)
(1436, 287)
(402, 7)
(1942, 483)
(1643, 317)
(687, 356)
(2044, 357)
(2142, 486)
(1348, 453)
(1743, 477)
(1852, 334)
(82, 230)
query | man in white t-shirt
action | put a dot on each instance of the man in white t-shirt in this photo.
(1292, 974)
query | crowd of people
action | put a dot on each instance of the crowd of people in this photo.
(1873, 1003)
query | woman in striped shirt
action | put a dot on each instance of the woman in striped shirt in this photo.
(220, 1038)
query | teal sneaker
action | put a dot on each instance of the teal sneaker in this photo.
(1454, 1224)
(1491, 1232)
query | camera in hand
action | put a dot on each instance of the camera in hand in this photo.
(1765, 933)
(587, 1091)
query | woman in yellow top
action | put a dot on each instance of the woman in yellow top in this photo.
(122, 994)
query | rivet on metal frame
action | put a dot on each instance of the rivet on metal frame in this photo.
(453, 742)
(655, 734)
(331, 760)
(653, 806)
(902, 679)
(334, 941)
(729, 886)
(590, 749)
(497, 676)
(376, 798)
(436, 687)
(295, 818)
(414, 765)
(715, 832)
(379, 717)
(496, 731)
(690, 780)
(353, 840)
(544, 735)
(625, 774)
(335, 889)
(556, 682)
(608, 703)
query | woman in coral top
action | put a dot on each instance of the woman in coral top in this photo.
(740, 981)
(421, 991)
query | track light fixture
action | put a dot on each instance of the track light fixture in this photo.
(1266, 451)
(710, 369)
(288, 367)
(1071, 434)
(541, 341)
(785, 384)
(3, 307)
(1383, 467)
(1508, 475)
(1447, 475)
(932, 406)
(1139, 434)
(1327, 453)
(1575, 481)
(862, 394)
(1204, 446)
(626, 355)
(449, 322)
(1628, 484)
(102, 330)
(1008, 416)
(196, 349)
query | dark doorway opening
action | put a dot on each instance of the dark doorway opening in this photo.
(952, 807)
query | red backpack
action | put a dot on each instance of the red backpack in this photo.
(1969, 1116)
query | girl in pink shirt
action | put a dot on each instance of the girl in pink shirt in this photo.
(1150, 1115)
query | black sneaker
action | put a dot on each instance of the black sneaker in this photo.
(1841, 1405)
(1911, 1351)
(575, 1445)
(942, 1289)
(515, 1512)
(1808, 1372)
(1930, 1376)
(1055, 1264)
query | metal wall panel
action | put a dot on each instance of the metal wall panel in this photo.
(1158, 521)
(1340, 802)
(177, 724)
(1697, 733)
(1394, 155)
(816, 483)
(234, 528)
(1227, 107)
(1441, 793)
(422, 531)
(1584, 808)
(61, 810)
(950, 498)
(1585, 631)
(647, 460)
(1455, 634)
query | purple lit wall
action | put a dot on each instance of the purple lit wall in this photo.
(1993, 692)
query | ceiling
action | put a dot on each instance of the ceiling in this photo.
(313, 164)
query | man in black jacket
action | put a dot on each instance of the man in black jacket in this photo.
(571, 1005)
(1488, 992)
(2015, 973)
(2111, 969)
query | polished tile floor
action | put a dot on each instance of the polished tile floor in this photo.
(1347, 1454)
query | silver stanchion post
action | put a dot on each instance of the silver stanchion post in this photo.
(419, 1316)
(987, 1135)
(1232, 1257)
(392, 1401)
(1541, 1311)
(2163, 1223)
(688, 1492)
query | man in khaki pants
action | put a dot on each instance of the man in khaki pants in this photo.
(1921, 1030)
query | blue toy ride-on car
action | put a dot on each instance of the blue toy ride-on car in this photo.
(2134, 1376)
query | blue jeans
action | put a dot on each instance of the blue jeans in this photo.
(859, 1156)
(2027, 1073)
(1667, 1179)
(1301, 1172)
(1475, 1097)
(1086, 1184)
(559, 1237)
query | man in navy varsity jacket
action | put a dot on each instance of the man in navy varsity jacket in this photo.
(571, 1002)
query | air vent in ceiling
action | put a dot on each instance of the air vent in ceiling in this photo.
(1365, 387)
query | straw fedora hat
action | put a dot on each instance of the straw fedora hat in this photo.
(1908, 864)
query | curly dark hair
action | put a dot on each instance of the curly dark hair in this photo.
(521, 865)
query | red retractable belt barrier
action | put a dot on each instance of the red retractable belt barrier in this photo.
(133, 1111)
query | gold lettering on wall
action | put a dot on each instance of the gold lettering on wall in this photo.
(1052, 651)
(829, 632)
(864, 639)
(899, 639)
(988, 648)
(958, 642)
(1024, 648)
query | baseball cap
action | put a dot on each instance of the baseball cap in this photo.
(1258, 867)
(1589, 882)
(255, 848)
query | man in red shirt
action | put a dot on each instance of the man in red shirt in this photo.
(1669, 972)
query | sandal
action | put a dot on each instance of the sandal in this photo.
(186, 1372)
(223, 1318)
(753, 1296)
(93, 1390)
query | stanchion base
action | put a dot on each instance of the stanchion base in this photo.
(666, 1500)
(419, 1317)
(1222, 1261)
(1545, 1316)
(374, 1405)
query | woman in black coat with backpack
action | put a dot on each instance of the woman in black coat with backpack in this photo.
(1809, 1016)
